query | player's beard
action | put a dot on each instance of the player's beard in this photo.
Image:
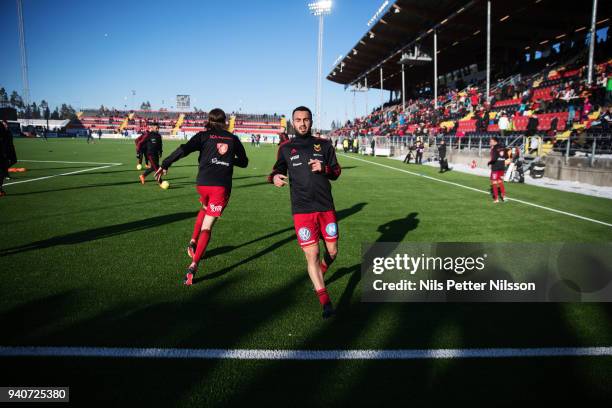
(307, 134)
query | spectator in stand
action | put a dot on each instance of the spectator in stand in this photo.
(586, 109)
(532, 125)
(503, 123)
(608, 99)
(553, 126)
(568, 94)
(606, 119)
(534, 144)
(474, 99)
(571, 116)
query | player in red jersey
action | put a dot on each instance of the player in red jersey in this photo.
(219, 152)
(153, 148)
(311, 163)
(499, 158)
(140, 148)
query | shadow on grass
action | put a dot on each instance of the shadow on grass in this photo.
(392, 231)
(99, 233)
(204, 317)
(342, 214)
(115, 184)
(207, 318)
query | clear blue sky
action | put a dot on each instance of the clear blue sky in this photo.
(256, 55)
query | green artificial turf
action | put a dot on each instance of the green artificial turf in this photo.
(96, 259)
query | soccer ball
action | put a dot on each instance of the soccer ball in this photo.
(139, 167)
(165, 185)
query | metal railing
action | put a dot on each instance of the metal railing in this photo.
(587, 145)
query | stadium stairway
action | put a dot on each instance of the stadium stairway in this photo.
(232, 123)
(178, 124)
(125, 122)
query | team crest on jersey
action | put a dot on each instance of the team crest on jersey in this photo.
(222, 148)
(304, 234)
(317, 148)
(331, 229)
(293, 151)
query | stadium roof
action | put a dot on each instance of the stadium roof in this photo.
(517, 27)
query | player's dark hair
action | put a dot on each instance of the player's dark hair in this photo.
(216, 118)
(301, 109)
(495, 138)
(155, 124)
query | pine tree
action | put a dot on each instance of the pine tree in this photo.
(4, 100)
(16, 101)
(44, 107)
(35, 111)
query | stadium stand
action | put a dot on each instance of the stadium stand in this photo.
(173, 123)
(539, 79)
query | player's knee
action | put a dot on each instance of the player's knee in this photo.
(311, 253)
(332, 252)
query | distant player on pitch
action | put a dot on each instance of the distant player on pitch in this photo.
(311, 163)
(140, 142)
(499, 158)
(219, 152)
(153, 148)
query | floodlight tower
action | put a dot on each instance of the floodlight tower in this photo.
(24, 58)
(319, 9)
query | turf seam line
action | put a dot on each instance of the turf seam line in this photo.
(263, 354)
(482, 191)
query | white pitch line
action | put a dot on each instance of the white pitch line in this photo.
(482, 191)
(258, 354)
(62, 174)
(67, 162)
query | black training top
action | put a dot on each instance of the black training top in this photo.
(153, 143)
(310, 192)
(8, 157)
(219, 150)
(499, 155)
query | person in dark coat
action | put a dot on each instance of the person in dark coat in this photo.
(532, 125)
(8, 156)
(442, 154)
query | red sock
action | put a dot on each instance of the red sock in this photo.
(495, 191)
(502, 188)
(326, 262)
(323, 296)
(198, 225)
(202, 244)
(323, 267)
